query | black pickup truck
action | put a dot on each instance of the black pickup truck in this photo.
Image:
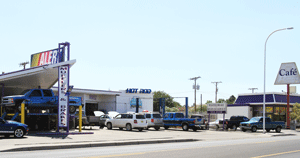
(233, 122)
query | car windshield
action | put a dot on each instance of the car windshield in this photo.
(25, 91)
(255, 119)
(156, 116)
(140, 116)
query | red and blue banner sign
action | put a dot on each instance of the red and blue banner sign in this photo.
(47, 57)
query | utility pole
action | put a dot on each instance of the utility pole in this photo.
(252, 89)
(195, 87)
(201, 101)
(216, 89)
(24, 64)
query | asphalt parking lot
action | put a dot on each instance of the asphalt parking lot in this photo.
(104, 137)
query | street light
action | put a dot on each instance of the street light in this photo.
(264, 99)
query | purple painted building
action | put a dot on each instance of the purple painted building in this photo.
(251, 105)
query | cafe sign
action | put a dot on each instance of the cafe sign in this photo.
(288, 74)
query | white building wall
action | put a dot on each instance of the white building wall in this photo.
(123, 102)
(237, 110)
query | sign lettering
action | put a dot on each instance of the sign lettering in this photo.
(135, 90)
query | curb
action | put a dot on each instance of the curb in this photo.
(87, 145)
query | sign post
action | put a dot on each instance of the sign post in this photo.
(217, 108)
(288, 74)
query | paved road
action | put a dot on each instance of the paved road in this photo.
(285, 146)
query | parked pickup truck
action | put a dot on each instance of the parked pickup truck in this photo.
(177, 119)
(92, 120)
(203, 122)
(233, 122)
(41, 99)
(256, 123)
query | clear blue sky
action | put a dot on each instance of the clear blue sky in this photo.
(157, 44)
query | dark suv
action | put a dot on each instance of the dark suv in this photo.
(233, 122)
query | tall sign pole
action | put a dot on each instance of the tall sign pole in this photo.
(288, 74)
(288, 107)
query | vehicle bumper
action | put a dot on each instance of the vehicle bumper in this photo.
(245, 127)
(155, 125)
(8, 104)
(138, 126)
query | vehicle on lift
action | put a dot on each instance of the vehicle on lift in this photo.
(256, 123)
(233, 122)
(41, 99)
(13, 128)
(128, 121)
(176, 119)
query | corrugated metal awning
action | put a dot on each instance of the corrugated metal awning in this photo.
(44, 76)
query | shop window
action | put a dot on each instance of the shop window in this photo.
(282, 110)
(269, 115)
(269, 109)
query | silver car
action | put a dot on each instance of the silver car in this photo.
(154, 120)
(127, 120)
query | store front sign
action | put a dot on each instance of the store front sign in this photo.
(48, 57)
(288, 74)
(136, 90)
(217, 108)
(63, 101)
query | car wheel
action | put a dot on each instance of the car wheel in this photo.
(120, 128)
(19, 133)
(194, 129)
(128, 127)
(140, 129)
(157, 128)
(185, 127)
(254, 129)
(166, 127)
(217, 127)
(278, 129)
(234, 127)
(72, 109)
(146, 128)
(244, 130)
(109, 126)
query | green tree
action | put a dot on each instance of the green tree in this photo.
(204, 108)
(221, 101)
(169, 102)
(295, 114)
(208, 101)
(231, 99)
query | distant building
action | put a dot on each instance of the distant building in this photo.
(251, 105)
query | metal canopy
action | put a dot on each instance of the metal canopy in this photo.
(44, 76)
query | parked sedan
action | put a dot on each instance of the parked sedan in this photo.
(13, 128)
(127, 120)
(215, 124)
